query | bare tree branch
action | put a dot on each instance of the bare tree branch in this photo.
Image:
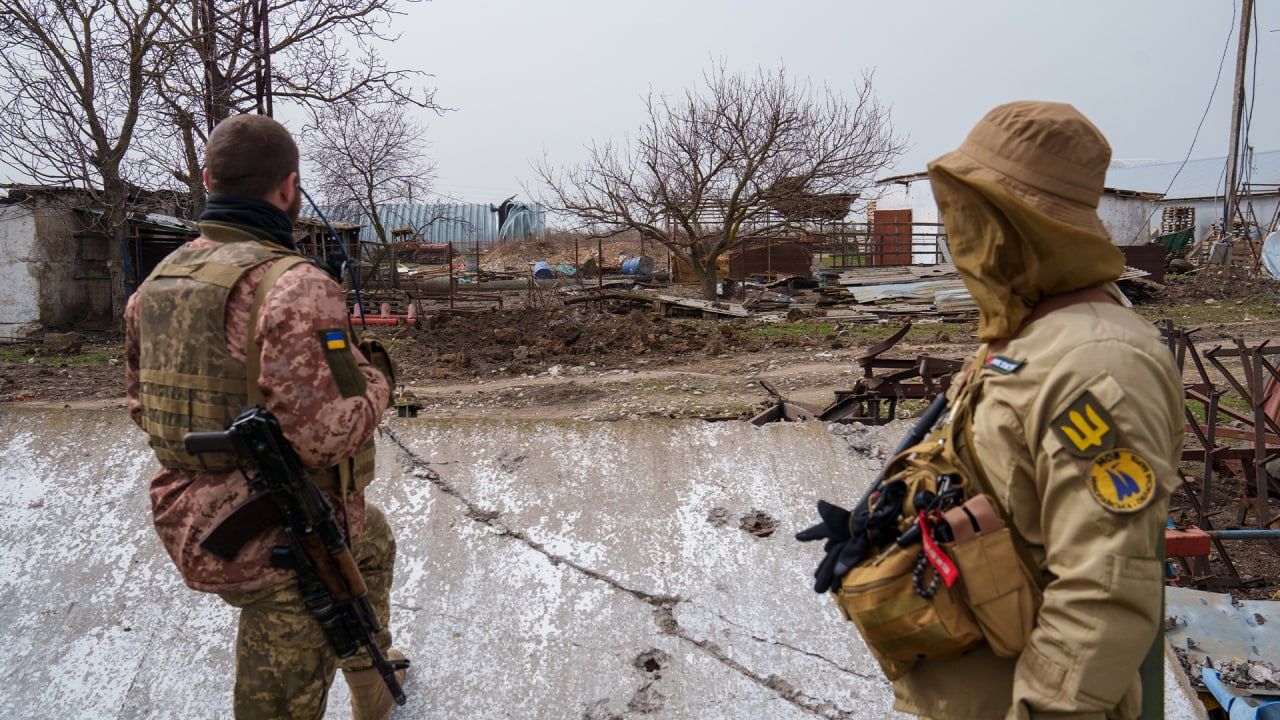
(743, 155)
(321, 53)
(366, 158)
(74, 76)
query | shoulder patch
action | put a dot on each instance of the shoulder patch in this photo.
(1004, 365)
(335, 340)
(1085, 428)
(1122, 481)
(342, 364)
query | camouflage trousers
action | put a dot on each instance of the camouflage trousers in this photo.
(284, 665)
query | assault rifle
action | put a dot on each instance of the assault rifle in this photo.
(328, 578)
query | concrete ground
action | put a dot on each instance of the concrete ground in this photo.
(546, 569)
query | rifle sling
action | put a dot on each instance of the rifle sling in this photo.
(241, 524)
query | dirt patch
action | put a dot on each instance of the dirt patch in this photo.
(758, 523)
(95, 371)
(651, 662)
(572, 340)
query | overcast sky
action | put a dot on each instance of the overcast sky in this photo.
(531, 76)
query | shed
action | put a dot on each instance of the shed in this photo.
(1191, 195)
(57, 269)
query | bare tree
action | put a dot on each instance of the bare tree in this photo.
(744, 155)
(366, 158)
(312, 53)
(73, 81)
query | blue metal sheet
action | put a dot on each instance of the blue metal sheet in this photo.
(463, 224)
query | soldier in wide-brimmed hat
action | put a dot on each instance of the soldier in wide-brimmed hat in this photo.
(1066, 426)
(1077, 427)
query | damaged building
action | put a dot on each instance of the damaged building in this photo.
(60, 269)
(1140, 200)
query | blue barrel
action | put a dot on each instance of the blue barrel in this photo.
(638, 265)
(542, 270)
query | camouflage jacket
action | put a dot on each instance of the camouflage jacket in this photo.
(298, 388)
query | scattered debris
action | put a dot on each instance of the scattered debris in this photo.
(719, 517)
(874, 398)
(63, 343)
(758, 523)
(1214, 630)
(782, 409)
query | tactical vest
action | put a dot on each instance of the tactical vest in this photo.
(995, 598)
(189, 381)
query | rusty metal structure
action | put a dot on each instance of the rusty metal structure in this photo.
(874, 397)
(1247, 439)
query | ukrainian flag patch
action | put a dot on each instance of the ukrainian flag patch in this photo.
(335, 340)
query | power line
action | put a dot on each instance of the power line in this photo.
(1226, 45)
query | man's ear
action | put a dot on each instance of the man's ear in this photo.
(288, 189)
(207, 181)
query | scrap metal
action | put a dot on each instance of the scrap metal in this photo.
(874, 398)
(1249, 439)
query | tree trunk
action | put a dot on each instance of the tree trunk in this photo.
(709, 281)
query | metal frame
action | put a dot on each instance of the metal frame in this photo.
(874, 398)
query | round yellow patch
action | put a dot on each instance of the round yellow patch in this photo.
(1122, 481)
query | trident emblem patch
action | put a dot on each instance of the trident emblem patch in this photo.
(1085, 428)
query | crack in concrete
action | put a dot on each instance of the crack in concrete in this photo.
(663, 605)
(490, 518)
(752, 634)
(666, 621)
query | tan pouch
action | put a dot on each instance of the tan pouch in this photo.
(993, 582)
(900, 627)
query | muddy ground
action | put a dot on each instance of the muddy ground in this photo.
(586, 361)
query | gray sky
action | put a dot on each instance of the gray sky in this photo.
(527, 77)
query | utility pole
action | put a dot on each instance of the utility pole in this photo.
(1230, 200)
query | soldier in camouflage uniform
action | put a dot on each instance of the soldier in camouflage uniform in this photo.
(235, 318)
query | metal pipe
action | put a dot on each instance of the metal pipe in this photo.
(1244, 534)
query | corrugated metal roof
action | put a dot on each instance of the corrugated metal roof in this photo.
(462, 224)
(1199, 179)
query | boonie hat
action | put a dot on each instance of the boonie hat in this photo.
(1046, 154)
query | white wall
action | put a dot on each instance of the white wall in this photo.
(19, 268)
(1126, 218)
(1208, 211)
(916, 196)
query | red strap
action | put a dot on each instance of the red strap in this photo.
(941, 563)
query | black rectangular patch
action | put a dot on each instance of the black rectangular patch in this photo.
(1004, 365)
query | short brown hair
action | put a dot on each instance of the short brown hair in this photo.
(249, 155)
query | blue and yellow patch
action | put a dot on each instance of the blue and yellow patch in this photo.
(335, 340)
(1122, 481)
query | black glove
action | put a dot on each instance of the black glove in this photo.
(843, 548)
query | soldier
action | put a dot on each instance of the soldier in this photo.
(236, 318)
(1069, 418)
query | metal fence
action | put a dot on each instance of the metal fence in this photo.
(880, 244)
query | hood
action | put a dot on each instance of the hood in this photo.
(1019, 201)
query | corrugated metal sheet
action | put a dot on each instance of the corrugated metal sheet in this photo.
(463, 224)
(1200, 178)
